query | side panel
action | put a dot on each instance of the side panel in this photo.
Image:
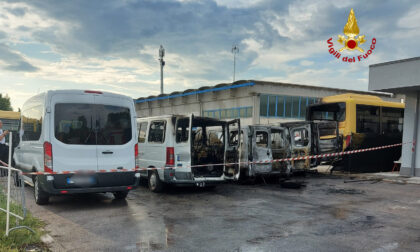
(30, 154)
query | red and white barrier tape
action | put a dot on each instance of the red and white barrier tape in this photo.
(221, 164)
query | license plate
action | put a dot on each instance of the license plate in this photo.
(81, 180)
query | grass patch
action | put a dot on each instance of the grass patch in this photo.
(20, 239)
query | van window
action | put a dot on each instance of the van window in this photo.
(182, 130)
(261, 139)
(92, 124)
(142, 132)
(277, 139)
(32, 123)
(113, 124)
(157, 132)
(300, 137)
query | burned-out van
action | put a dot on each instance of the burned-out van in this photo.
(259, 145)
(186, 150)
(312, 138)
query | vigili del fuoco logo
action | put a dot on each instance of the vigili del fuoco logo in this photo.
(351, 41)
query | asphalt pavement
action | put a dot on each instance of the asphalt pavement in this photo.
(325, 215)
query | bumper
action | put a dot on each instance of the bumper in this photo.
(187, 178)
(104, 182)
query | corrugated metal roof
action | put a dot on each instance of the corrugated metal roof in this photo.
(245, 83)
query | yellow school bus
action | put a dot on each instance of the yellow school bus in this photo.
(364, 120)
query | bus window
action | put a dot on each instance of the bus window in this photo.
(392, 120)
(330, 111)
(367, 119)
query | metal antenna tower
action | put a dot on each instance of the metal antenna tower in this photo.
(162, 64)
(235, 50)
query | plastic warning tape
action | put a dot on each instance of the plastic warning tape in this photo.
(342, 153)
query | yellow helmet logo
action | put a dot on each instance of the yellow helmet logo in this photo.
(351, 41)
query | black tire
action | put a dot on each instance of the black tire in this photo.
(155, 184)
(41, 197)
(18, 180)
(120, 195)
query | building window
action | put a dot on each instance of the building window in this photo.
(285, 106)
(240, 112)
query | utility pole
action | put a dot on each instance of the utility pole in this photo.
(235, 50)
(162, 64)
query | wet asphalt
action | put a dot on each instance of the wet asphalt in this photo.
(325, 215)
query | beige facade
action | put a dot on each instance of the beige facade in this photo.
(255, 102)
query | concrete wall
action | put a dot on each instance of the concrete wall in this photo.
(393, 75)
(408, 136)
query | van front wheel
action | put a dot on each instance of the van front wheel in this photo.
(155, 184)
(41, 197)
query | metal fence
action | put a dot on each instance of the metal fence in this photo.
(12, 194)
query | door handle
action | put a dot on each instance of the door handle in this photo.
(107, 152)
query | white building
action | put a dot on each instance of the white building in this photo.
(255, 102)
(403, 77)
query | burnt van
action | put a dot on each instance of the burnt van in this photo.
(312, 138)
(186, 150)
(80, 142)
(259, 145)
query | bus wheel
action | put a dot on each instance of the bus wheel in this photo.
(41, 197)
(155, 184)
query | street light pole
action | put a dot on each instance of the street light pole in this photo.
(162, 64)
(235, 50)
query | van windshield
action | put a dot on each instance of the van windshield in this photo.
(92, 124)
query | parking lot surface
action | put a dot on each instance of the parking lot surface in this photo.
(326, 215)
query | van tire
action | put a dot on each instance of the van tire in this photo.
(120, 195)
(155, 184)
(41, 197)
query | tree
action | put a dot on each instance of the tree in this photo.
(5, 103)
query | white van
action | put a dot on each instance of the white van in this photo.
(87, 140)
(192, 149)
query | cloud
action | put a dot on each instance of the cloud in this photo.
(13, 61)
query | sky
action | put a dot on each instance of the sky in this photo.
(113, 45)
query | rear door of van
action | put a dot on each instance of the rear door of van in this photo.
(115, 128)
(72, 132)
(232, 149)
(261, 149)
(183, 143)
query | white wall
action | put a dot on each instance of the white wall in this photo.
(408, 135)
(392, 75)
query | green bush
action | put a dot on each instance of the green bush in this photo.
(22, 238)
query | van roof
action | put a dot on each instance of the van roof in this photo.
(79, 91)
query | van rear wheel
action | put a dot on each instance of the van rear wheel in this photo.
(41, 197)
(155, 184)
